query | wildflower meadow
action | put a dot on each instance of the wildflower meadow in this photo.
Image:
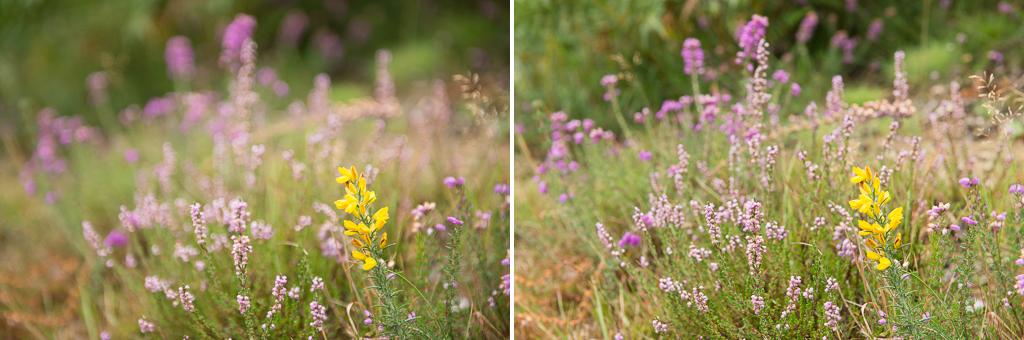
(236, 206)
(743, 170)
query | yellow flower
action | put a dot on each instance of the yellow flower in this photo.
(351, 228)
(368, 261)
(899, 240)
(883, 262)
(380, 218)
(384, 240)
(895, 218)
(863, 204)
(869, 228)
(347, 175)
(861, 175)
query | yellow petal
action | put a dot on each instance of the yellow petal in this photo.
(356, 242)
(369, 263)
(899, 240)
(384, 240)
(358, 255)
(873, 255)
(883, 263)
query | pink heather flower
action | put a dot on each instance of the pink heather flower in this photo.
(239, 215)
(292, 27)
(235, 34)
(261, 230)
(240, 250)
(629, 240)
(774, 230)
(186, 299)
(145, 326)
(831, 284)
(609, 80)
(693, 57)
(278, 293)
(1017, 189)
(319, 314)
(968, 220)
(794, 89)
(807, 26)
(968, 183)
(659, 327)
(502, 189)
(317, 285)
(454, 182)
(93, 239)
(179, 57)
(97, 83)
(1005, 7)
(832, 315)
(755, 252)
(198, 223)
(875, 29)
(750, 35)
(243, 303)
(131, 156)
(881, 318)
(758, 303)
(115, 239)
(158, 106)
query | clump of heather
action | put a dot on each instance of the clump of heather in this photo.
(208, 214)
(739, 213)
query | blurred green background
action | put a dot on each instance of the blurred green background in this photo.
(563, 48)
(48, 48)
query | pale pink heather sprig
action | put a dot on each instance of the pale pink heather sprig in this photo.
(319, 315)
(693, 57)
(199, 223)
(244, 303)
(793, 293)
(94, 240)
(239, 216)
(659, 327)
(756, 249)
(261, 230)
(831, 284)
(145, 326)
(186, 299)
(774, 230)
(833, 314)
(317, 285)
(758, 303)
(278, 292)
(900, 88)
(240, 250)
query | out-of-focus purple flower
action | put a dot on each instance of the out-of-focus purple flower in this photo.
(235, 34)
(116, 239)
(501, 189)
(440, 227)
(292, 27)
(807, 26)
(131, 156)
(454, 221)
(968, 220)
(629, 240)
(995, 56)
(954, 227)
(454, 182)
(329, 45)
(693, 57)
(158, 106)
(780, 76)
(967, 183)
(846, 44)
(875, 29)
(1017, 189)
(609, 80)
(794, 89)
(564, 197)
(644, 155)
(179, 57)
(1005, 7)
(97, 83)
(1020, 284)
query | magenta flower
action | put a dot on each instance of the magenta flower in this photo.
(967, 183)
(693, 57)
(629, 240)
(454, 221)
(1017, 189)
(750, 35)
(179, 57)
(644, 155)
(807, 25)
(454, 182)
(235, 34)
(116, 239)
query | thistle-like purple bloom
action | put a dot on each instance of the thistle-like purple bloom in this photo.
(968, 220)
(629, 240)
(454, 221)
(454, 182)
(967, 183)
(179, 57)
(693, 57)
(644, 155)
(116, 239)
(1017, 189)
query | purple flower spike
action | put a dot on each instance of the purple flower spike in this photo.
(116, 239)
(629, 240)
(453, 182)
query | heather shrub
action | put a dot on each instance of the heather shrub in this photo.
(731, 209)
(221, 213)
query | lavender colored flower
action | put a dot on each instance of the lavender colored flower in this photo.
(758, 303)
(97, 83)
(1017, 189)
(502, 189)
(157, 107)
(807, 26)
(240, 250)
(693, 57)
(644, 155)
(968, 220)
(235, 34)
(750, 35)
(145, 326)
(292, 27)
(368, 317)
(1005, 7)
(794, 89)
(131, 156)
(454, 182)
(317, 285)
(609, 80)
(319, 315)
(780, 76)
(454, 221)
(659, 327)
(629, 240)
(875, 29)
(832, 315)
(116, 239)
(179, 57)
(186, 299)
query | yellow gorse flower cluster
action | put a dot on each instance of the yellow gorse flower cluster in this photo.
(876, 229)
(364, 229)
